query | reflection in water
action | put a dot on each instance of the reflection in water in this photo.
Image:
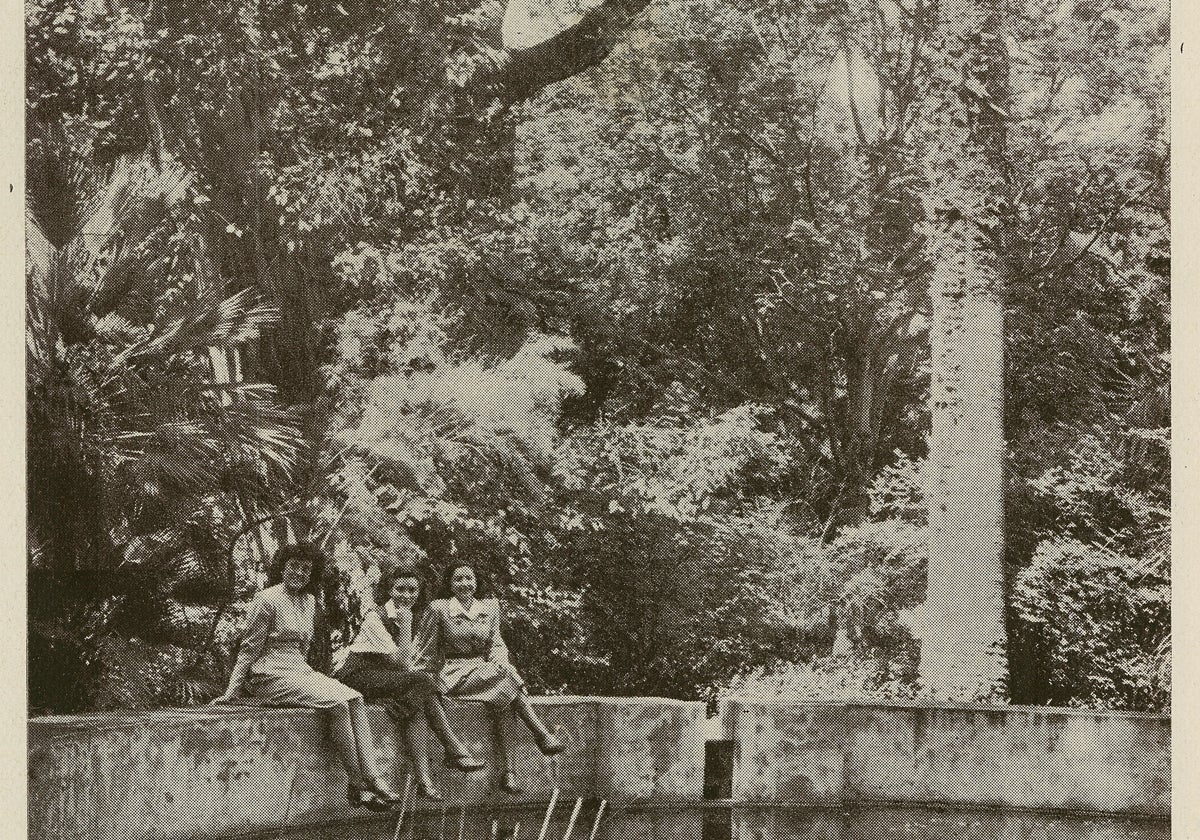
(684, 823)
(926, 824)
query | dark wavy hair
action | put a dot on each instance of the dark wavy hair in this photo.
(389, 579)
(306, 550)
(483, 585)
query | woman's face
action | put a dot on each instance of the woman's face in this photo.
(405, 591)
(462, 583)
(296, 573)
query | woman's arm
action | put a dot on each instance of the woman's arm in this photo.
(375, 644)
(254, 642)
(403, 657)
(429, 654)
(499, 650)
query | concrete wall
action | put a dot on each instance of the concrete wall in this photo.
(216, 772)
(219, 772)
(1001, 756)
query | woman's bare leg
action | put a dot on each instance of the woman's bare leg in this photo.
(508, 780)
(418, 752)
(342, 729)
(547, 742)
(435, 714)
(527, 714)
(365, 746)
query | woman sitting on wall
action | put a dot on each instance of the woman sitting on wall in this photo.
(460, 642)
(272, 665)
(379, 665)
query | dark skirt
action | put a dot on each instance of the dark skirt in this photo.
(403, 693)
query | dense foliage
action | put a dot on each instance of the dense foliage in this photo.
(143, 460)
(650, 345)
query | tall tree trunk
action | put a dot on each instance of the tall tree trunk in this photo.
(963, 645)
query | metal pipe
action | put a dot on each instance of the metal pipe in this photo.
(596, 824)
(546, 820)
(408, 787)
(574, 816)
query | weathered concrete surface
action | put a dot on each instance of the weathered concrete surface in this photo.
(999, 756)
(786, 753)
(649, 748)
(217, 772)
(179, 774)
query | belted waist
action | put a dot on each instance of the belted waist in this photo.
(450, 656)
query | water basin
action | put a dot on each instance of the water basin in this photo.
(741, 823)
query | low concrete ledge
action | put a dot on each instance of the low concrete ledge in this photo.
(972, 755)
(221, 771)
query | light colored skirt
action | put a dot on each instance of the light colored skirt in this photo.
(310, 689)
(480, 681)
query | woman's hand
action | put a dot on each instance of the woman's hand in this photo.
(225, 699)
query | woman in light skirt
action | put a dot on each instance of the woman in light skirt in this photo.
(272, 665)
(460, 643)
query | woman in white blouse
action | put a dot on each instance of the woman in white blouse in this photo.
(272, 665)
(379, 665)
(460, 643)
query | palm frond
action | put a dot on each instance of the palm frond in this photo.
(195, 684)
(191, 692)
(146, 548)
(253, 426)
(181, 455)
(213, 322)
(117, 219)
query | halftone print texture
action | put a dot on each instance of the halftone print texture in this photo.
(581, 419)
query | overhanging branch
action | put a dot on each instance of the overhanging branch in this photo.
(576, 48)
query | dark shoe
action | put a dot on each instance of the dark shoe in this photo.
(430, 792)
(385, 795)
(550, 744)
(366, 799)
(466, 762)
(509, 785)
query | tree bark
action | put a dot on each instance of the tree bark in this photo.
(963, 645)
(581, 39)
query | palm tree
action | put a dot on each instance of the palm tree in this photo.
(140, 463)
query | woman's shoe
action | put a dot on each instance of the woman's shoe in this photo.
(428, 791)
(509, 785)
(466, 762)
(385, 794)
(368, 799)
(549, 744)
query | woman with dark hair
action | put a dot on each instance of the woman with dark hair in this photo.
(379, 665)
(272, 665)
(460, 642)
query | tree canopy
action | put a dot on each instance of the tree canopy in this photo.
(636, 315)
